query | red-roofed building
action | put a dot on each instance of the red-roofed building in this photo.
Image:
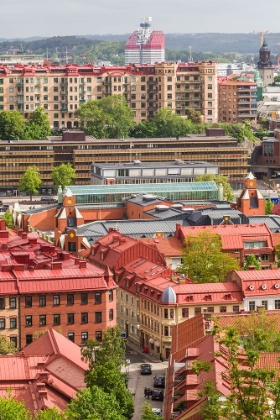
(260, 288)
(48, 373)
(239, 240)
(44, 287)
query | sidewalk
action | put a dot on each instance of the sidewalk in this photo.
(138, 349)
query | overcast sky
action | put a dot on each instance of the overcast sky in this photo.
(47, 18)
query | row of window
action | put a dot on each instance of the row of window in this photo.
(253, 306)
(70, 299)
(71, 336)
(70, 318)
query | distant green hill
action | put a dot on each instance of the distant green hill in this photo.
(89, 48)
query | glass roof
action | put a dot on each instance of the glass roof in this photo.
(142, 188)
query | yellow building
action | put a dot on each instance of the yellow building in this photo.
(60, 90)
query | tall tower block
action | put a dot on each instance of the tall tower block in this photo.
(265, 66)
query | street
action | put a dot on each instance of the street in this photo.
(138, 382)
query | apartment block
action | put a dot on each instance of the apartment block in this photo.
(237, 100)
(60, 90)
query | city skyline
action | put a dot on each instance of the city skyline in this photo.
(48, 19)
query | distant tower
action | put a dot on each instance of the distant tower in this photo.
(251, 202)
(145, 46)
(265, 66)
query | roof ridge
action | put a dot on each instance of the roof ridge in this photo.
(53, 341)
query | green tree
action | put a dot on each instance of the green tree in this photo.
(30, 181)
(169, 124)
(8, 217)
(6, 346)
(107, 376)
(277, 79)
(50, 414)
(147, 413)
(218, 179)
(63, 175)
(194, 116)
(37, 126)
(12, 125)
(112, 349)
(11, 409)
(106, 118)
(251, 261)
(94, 404)
(268, 206)
(203, 259)
(254, 388)
(144, 129)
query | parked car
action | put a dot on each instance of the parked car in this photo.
(5, 207)
(146, 369)
(156, 411)
(157, 394)
(159, 382)
(46, 198)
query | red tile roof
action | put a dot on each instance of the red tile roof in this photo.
(169, 247)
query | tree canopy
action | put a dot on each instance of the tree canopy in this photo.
(251, 261)
(254, 384)
(6, 346)
(148, 414)
(8, 217)
(30, 181)
(106, 118)
(37, 126)
(203, 259)
(268, 206)
(12, 125)
(63, 175)
(11, 409)
(218, 179)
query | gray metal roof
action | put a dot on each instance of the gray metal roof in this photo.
(272, 221)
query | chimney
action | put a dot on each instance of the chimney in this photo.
(24, 235)
(56, 265)
(66, 255)
(83, 264)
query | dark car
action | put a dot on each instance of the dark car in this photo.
(5, 207)
(159, 382)
(146, 369)
(157, 394)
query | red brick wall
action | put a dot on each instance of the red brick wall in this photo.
(63, 309)
(43, 220)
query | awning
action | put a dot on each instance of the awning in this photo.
(151, 341)
(156, 343)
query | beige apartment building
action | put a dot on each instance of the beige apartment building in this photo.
(60, 90)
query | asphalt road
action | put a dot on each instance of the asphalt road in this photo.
(138, 382)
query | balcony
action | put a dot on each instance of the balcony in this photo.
(20, 101)
(82, 92)
(63, 92)
(63, 83)
(152, 82)
(64, 109)
(106, 83)
(20, 83)
(64, 101)
(81, 83)
(82, 101)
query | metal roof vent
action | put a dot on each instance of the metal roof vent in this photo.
(161, 207)
(251, 287)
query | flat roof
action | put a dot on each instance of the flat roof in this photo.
(139, 164)
(141, 188)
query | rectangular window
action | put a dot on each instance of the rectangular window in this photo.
(13, 303)
(70, 299)
(56, 319)
(14, 340)
(185, 312)
(98, 299)
(223, 308)
(84, 336)
(165, 313)
(28, 339)
(28, 301)
(166, 332)
(84, 317)
(111, 314)
(197, 311)
(28, 321)
(56, 300)
(98, 335)
(264, 303)
(235, 308)
(71, 337)
(84, 298)
(210, 309)
(70, 319)
(2, 323)
(13, 323)
(111, 295)
(42, 320)
(277, 304)
(252, 306)
(98, 317)
(42, 300)
(2, 303)
(209, 86)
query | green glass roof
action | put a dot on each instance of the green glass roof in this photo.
(142, 188)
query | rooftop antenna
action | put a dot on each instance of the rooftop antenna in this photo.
(190, 54)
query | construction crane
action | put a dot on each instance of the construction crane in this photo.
(261, 33)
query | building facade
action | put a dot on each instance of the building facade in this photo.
(60, 90)
(265, 66)
(237, 100)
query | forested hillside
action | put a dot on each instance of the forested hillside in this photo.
(90, 48)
